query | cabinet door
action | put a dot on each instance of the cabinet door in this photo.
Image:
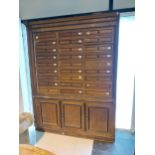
(100, 118)
(47, 113)
(73, 115)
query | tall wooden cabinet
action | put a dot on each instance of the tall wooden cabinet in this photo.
(73, 63)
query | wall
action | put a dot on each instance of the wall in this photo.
(29, 9)
(21, 109)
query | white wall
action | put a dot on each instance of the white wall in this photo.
(29, 9)
(21, 109)
(120, 4)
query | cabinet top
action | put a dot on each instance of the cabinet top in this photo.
(44, 22)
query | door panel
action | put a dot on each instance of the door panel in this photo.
(47, 113)
(100, 118)
(73, 115)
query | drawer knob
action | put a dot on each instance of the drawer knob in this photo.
(80, 91)
(53, 42)
(108, 56)
(107, 93)
(80, 56)
(54, 50)
(79, 41)
(109, 47)
(56, 84)
(54, 57)
(88, 85)
(54, 64)
(108, 64)
(79, 49)
(37, 37)
(79, 77)
(108, 71)
(88, 33)
(79, 33)
(79, 71)
(55, 71)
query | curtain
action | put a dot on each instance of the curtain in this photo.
(125, 74)
(24, 69)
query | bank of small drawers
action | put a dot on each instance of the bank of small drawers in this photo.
(75, 62)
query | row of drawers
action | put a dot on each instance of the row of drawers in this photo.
(75, 64)
(75, 78)
(49, 50)
(80, 33)
(69, 57)
(69, 84)
(105, 93)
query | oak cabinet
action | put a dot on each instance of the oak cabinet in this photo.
(73, 63)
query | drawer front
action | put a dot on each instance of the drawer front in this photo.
(101, 93)
(106, 48)
(91, 72)
(98, 64)
(71, 49)
(98, 85)
(71, 84)
(98, 56)
(48, 91)
(69, 91)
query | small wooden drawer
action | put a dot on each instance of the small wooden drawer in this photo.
(99, 56)
(42, 36)
(106, 48)
(98, 85)
(98, 40)
(71, 91)
(71, 84)
(98, 78)
(98, 64)
(98, 93)
(48, 91)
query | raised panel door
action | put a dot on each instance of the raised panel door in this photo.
(48, 113)
(100, 118)
(72, 115)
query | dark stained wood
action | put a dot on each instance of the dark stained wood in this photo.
(72, 115)
(48, 113)
(73, 65)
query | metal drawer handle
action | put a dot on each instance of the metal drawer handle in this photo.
(88, 33)
(54, 64)
(54, 50)
(80, 91)
(55, 71)
(37, 37)
(79, 41)
(108, 56)
(88, 85)
(54, 57)
(79, 33)
(107, 93)
(108, 64)
(53, 42)
(80, 56)
(109, 47)
(108, 71)
(79, 49)
(56, 84)
(79, 71)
